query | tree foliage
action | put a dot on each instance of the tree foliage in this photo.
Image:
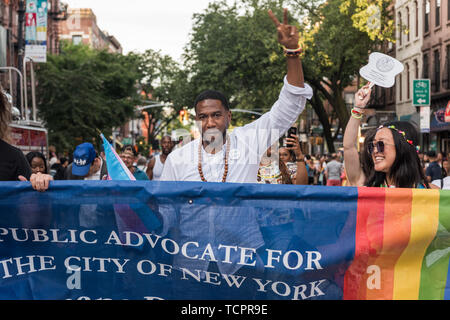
(161, 80)
(234, 49)
(372, 17)
(81, 91)
(338, 37)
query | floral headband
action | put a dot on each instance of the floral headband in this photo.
(402, 133)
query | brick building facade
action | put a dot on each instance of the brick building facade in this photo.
(436, 67)
(81, 28)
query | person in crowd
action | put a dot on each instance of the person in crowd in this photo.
(444, 182)
(285, 168)
(37, 162)
(141, 163)
(87, 164)
(13, 164)
(422, 160)
(310, 169)
(389, 157)
(272, 170)
(322, 180)
(333, 171)
(128, 157)
(426, 161)
(208, 158)
(58, 169)
(440, 158)
(156, 164)
(294, 160)
(53, 157)
(434, 170)
(219, 156)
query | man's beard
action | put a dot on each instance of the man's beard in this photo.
(214, 140)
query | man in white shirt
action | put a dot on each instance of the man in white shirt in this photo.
(218, 157)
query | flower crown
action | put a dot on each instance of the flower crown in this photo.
(402, 133)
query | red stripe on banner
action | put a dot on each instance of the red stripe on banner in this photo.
(368, 241)
(397, 229)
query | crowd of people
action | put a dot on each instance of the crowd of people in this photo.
(291, 166)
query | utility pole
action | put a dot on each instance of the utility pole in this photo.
(20, 47)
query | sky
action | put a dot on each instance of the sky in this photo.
(146, 24)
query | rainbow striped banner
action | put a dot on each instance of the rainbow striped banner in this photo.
(194, 241)
(402, 245)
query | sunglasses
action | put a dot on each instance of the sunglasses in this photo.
(379, 145)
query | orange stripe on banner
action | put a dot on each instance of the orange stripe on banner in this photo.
(424, 223)
(396, 232)
(368, 241)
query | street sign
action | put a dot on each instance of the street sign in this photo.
(421, 92)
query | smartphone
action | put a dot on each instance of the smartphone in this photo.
(291, 132)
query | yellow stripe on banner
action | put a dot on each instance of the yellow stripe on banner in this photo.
(424, 223)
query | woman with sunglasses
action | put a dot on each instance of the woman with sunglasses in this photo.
(390, 154)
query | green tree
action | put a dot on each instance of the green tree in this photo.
(234, 49)
(162, 81)
(336, 46)
(82, 91)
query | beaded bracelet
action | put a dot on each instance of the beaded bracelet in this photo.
(356, 114)
(292, 52)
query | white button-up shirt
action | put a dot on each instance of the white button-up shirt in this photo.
(247, 144)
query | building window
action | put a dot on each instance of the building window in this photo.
(400, 84)
(438, 13)
(416, 69)
(437, 71)
(425, 66)
(399, 24)
(426, 19)
(76, 40)
(448, 66)
(416, 6)
(448, 10)
(408, 23)
(408, 82)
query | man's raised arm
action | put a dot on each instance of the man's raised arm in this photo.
(292, 99)
(288, 38)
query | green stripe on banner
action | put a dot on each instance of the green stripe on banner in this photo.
(436, 261)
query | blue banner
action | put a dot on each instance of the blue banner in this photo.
(148, 240)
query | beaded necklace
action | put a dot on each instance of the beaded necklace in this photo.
(200, 170)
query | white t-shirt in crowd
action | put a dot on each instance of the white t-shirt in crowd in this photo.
(445, 185)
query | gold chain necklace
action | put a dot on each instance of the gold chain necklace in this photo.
(200, 170)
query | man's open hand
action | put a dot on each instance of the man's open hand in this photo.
(39, 181)
(287, 34)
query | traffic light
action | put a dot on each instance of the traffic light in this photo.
(182, 115)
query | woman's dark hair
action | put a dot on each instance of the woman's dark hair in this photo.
(406, 171)
(34, 154)
(285, 175)
(291, 154)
